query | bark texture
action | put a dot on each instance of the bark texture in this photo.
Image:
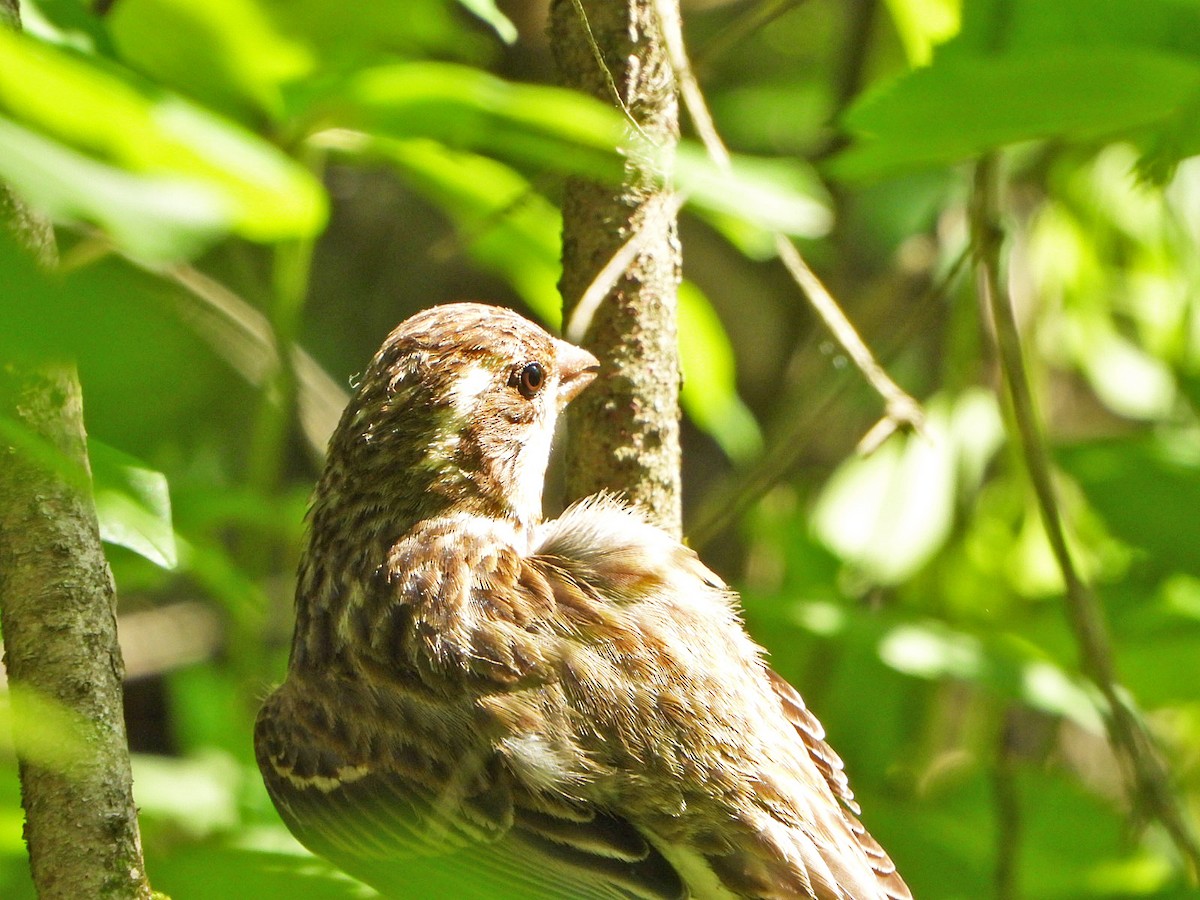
(58, 615)
(57, 610)
(623, 432)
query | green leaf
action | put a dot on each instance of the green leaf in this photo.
(1099, 27)
(43, 730)
(197, 794)
(1003, 663)
(963, 106)
(153, 217)
(709, 393)
(216, 871)
(365, 31)
(922, 24)
(561, 131)
(191, 173)
(1022, 26)
(1148, 491)
(505, 226)
(466, 109)
(72, 23)
(768, 194)
(490, 13)
(133, 504)
(890, 512)
(224, 53)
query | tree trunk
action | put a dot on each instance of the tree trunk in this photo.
(623, 432)
(58, 615)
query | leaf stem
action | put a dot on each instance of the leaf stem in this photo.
(901, 410)
(1127, 730)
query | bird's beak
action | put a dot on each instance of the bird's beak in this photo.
(576, 370)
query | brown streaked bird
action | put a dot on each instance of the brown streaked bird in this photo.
(484, 704)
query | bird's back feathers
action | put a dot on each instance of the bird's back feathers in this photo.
(576, 715)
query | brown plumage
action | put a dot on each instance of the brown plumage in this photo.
(479, 701)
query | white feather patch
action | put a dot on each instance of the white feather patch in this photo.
(531, 470)
(537, 763)
(325, 783)
(468, 388)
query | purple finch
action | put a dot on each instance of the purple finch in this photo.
(479, 701)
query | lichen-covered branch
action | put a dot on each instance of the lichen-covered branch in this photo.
(623, 432)
(57, 610)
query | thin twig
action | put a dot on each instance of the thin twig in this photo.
(902, 411)
(1008, 810)
(727, 504)
(243, 336)
(611, 272)
(1127, 731)
(759, 16)
(606, 71)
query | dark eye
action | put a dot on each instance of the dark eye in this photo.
(529, 379)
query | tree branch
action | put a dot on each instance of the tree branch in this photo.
(60, 643)
(623, 433)
(901, 410)
(58, 613)
(1126, 729)
(1007, 802)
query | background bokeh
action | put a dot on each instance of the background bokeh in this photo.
(252, 193)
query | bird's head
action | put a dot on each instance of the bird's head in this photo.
(457, 412)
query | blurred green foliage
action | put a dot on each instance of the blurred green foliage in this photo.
(251, 193)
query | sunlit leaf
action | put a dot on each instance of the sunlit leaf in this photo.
(1130, 381)
(488, 12)
(225, 53)
(71, 23)
(503, 223)
(466, 109)
(774, 195)
(561, 131)
(922, 24)
(133, 504)
(197, 794)
(1011, 668)
(888, 513)
(962, 106)
(365, 30)
(927, 651)
(709, 393)
(190, 172)
(42, 730)
(155, 217)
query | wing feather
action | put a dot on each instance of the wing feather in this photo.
(532, 728)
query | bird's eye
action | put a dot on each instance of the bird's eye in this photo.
(529, 379)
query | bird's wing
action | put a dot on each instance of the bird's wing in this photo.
(412, 792)
(813, 734)
(830, 765)
(790, 818)
(365, 828)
